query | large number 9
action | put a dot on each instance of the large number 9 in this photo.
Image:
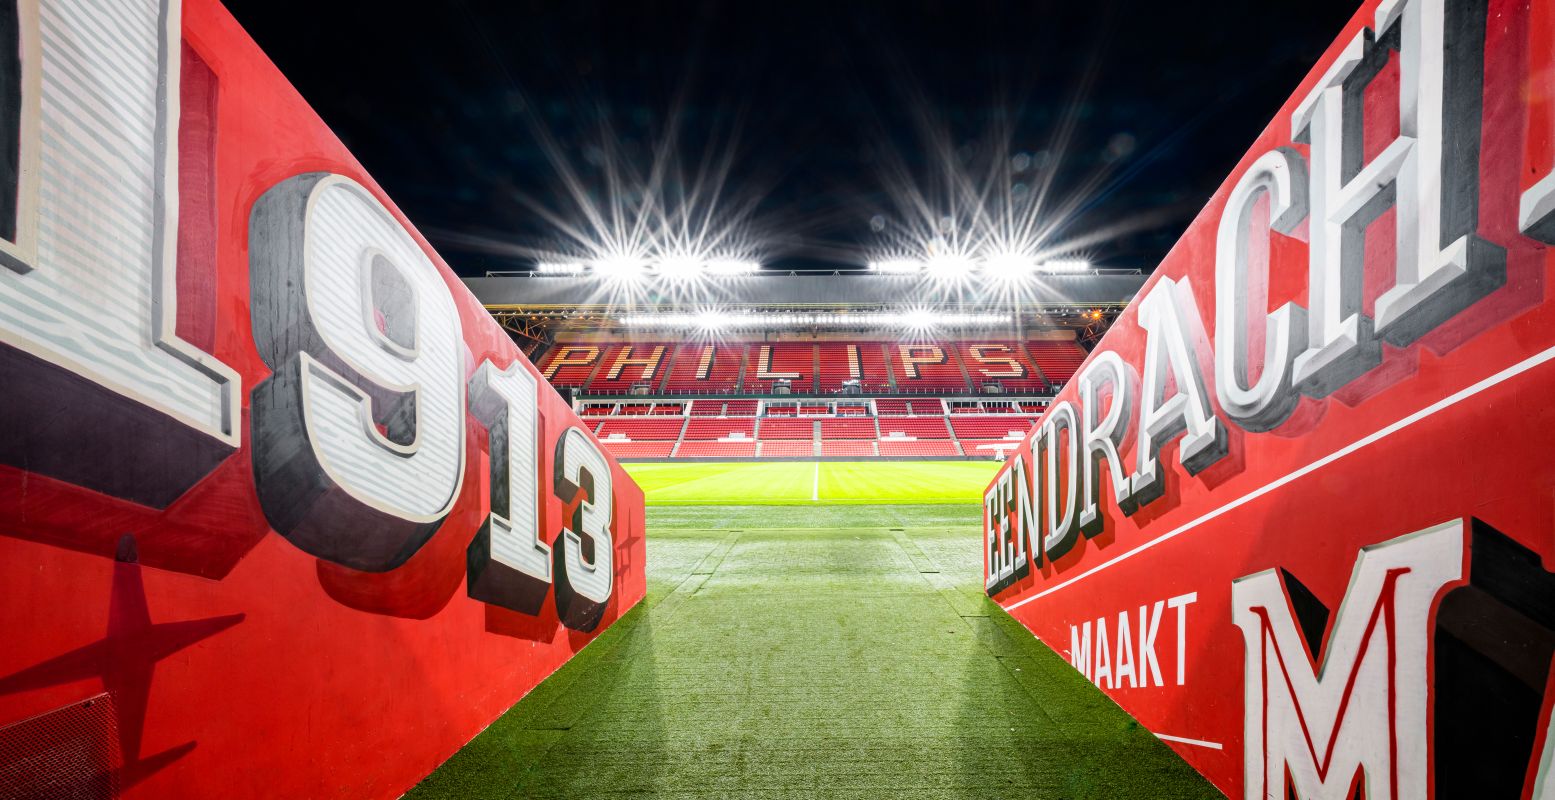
(359, 433)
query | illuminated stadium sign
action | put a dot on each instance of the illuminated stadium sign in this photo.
(1310, 464)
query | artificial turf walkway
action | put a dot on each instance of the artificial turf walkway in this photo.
(820, 652)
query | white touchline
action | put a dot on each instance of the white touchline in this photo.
(815, 485)
(1445, 403)
(1185, 740)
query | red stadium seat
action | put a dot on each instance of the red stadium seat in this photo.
(916, 427)
(716, 450)
(742, 408)
(629, 450)
(942, 447)
(927, 367)
(844, 361)
(720, 428)
(839, 428)
(989, 448)
(570, 364)
(1004, 362)
(1058, 359)
(786, 449)
(990, 427)
(787, 428)
(848, 448)
(705, 368)
(626, 365)
(770, 362)
(642, 428)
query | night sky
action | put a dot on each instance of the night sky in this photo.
(815, 121)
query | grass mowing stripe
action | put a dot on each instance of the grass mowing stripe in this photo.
(807, 482)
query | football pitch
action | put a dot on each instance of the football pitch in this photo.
(815, 651)
(813, 482)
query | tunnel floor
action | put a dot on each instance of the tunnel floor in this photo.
(815, 653)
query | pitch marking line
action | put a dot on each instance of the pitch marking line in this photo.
(1430, 410)
(815, 485)
(1185, 740)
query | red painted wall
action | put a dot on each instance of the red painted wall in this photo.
(1454, 429)
(238, 665)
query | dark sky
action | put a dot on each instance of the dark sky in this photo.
(1131, 113)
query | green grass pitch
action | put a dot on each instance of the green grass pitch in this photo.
(805, 483)
(814, 651)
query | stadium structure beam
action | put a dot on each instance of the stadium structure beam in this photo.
(811, 292)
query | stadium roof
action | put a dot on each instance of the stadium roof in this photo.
(535, 308)
(792, 291)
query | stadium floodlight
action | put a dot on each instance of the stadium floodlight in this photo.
(1065, 265)
(620, 267)
(949, 267)
(713, 321)
(678, 267)
(919, 319)
(559, 268)
(732, 267)
(1009, 266)
(896, 266)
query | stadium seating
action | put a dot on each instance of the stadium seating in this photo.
(844, 361)
(989, 427)
(688, 411)
(787, 428)
(720, 428)
(927, 367)
(988, 447)
(643, 427)
(1057, 359)
(741, 408)
(570, 364)
(917, 427)
(1003, 362)
(716, 450)
(848, 448)
(626, 365)
(769, 362)
(621, 449)
(843, 428)
(942, 447)
(705, 368)
(786, 449)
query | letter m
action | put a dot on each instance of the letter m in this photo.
(1359, 718)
